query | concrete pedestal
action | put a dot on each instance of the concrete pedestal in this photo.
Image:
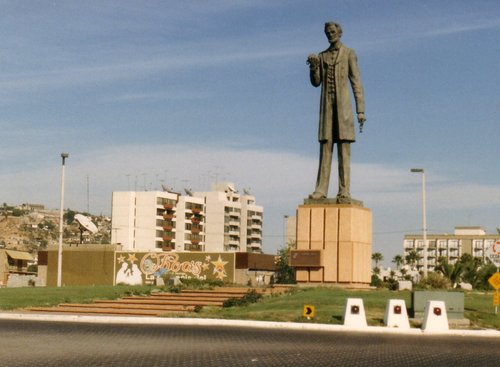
(334, 244)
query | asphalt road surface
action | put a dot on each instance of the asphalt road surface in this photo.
(35, 343)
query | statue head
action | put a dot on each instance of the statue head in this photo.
(333, 32)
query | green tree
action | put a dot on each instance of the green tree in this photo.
(412, 258)
(377, 257)
(18, 212)
(476, 271)
(398, 260)
(285, 274)
(69, 216)
(452, 272)
(483, 274)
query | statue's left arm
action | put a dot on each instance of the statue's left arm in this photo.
(357, 87)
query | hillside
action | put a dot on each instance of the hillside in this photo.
(30, 228)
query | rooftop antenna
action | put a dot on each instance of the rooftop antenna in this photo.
(188, 192)
(166, 188)
(230, 188)
(88, 195)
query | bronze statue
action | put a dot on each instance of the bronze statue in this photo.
(332, 69)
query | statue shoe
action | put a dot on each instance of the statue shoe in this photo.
(317, 195)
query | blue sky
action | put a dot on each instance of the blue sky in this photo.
(187, 92)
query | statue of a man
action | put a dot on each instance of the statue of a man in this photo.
(333, 69)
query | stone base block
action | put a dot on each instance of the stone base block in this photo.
(334, 244)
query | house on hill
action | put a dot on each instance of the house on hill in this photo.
(14, 268)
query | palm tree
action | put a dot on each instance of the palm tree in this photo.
(450, 271)
(398, 260)
(377, 257)
(412, 258)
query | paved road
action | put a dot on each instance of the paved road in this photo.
(35, 343)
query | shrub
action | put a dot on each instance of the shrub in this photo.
(434, 281)
(376, 281)
(392, 284)
(251, 297)
(197, 308)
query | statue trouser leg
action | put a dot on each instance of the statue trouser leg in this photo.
(344, 158)
(325, 165)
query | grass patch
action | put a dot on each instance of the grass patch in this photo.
(479, 310)
(16, 298)
(288, 307)
(329, 307)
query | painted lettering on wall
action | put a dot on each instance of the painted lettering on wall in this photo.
(140, 268)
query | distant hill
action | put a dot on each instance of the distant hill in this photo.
(30, 228)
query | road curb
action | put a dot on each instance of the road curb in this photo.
(489, 333)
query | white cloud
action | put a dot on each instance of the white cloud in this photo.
(279, 180)
(78, 75)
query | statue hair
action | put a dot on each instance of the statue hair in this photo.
(336, 25)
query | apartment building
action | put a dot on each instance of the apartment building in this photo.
(214, 221)
(464, 240)
(233, 220)
(157, 220)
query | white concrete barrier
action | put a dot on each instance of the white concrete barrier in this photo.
(396, 314)
(435, 317)
(354, 313)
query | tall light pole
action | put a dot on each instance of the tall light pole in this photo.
(424, 219)
(285, 227)
(61, 215)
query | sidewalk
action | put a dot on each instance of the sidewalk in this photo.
(131, 320)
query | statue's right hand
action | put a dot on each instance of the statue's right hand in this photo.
(313, 60)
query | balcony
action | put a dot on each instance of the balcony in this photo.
(231, 248)
(168, 216)
(193, 247)
(168, 206)
(255, 245)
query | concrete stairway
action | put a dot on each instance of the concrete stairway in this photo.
(157, 304)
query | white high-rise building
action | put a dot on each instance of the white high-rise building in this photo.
(233, 221)
(157, 220)
(214, 221)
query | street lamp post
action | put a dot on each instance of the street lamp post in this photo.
(424, 219)
(285, 230)
(61, 215)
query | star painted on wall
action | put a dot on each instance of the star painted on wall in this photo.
(208, 258)
(120, 259)
(131, 258)
(205, 266)
(219, 268)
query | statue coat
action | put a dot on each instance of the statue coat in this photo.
(336, 120)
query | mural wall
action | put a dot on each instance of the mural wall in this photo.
(143, 267)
